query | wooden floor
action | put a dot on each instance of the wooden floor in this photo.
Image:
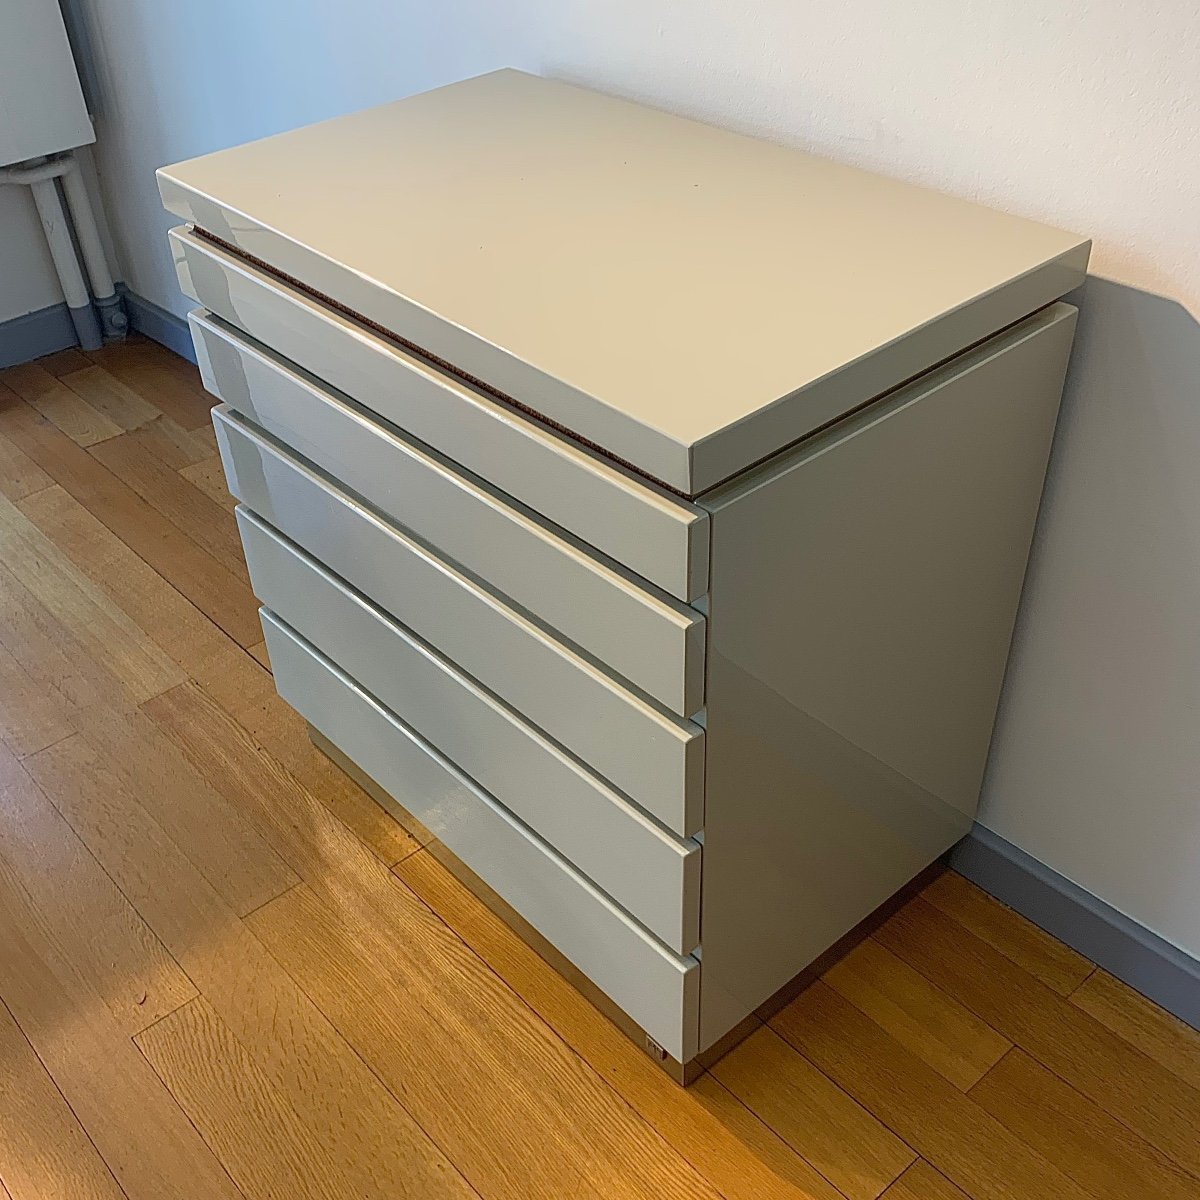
(225, 972)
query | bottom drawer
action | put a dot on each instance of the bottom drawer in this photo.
(657, 988)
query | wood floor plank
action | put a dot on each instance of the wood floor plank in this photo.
(148, 1143)
(387, 982)
(727, 1143)
(124, 751)
(170, 443)
(1098, 1152)
(49, 654)
(32, 715)
(215, 590)
(922, 1182)
(125, 670)
(167, 617)
(44, 1151)
(41, 857)
(100, 657)
(107, 394)
(20, 476)
(373, 1140)
(166, 380)
(259, 654)
(63, 361)
(67, 409)
(1142, 1023)
(208, 524)
(258, 1136)
(207, 435)
(957, 1136)
(100, 627)
(228, 674)
(1122, 1080)
(209, 476)
(746, 1157)
(920, 1016)
(174, 364)
(282, 732)
(1044, 956)
(256, 782)
(381, 1149)
(841, 1139)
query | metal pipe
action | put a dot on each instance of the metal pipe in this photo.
(35, 172)
(112, 315)
(62, 252)
(39, 176)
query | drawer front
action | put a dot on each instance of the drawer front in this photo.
(654, 758)
(658, 989)
(648, 637)
(652, 532)
(652, 875)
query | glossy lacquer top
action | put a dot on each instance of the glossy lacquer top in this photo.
(687, 299)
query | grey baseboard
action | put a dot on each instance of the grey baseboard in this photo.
(34, 334)
(1148, 963)
(159, 324)
(22, 339)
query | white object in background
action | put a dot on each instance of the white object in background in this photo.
(41, 103)
(42, 119)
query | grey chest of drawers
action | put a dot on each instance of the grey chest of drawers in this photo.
(640, 507)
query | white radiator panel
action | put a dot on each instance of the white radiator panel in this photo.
(41, 103)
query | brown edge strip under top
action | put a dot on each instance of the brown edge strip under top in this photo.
(425, 355)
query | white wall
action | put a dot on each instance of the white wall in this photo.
(1083, 113)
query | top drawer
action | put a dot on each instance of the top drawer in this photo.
(652, 532)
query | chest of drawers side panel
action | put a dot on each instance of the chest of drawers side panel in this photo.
(864, 593)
